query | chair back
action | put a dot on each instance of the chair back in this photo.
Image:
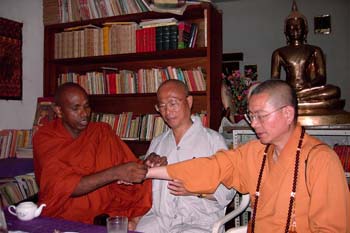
(220, 224)
(241, 229)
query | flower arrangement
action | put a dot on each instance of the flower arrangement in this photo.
(238, 87)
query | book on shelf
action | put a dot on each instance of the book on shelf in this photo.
(146, 3)
(142, 6)
(6, 142)
(166, 37)
(84, 11)
(14, 190)
(174, 10)
(11, 193)
(146, 39)
(51, 12)
(184, 28)
(27, 184)
(158, 22)
(24, 139)
(44, 112)
(24, 152)
(13, 139)
(77, 28)
(169, 3)
(193, 35)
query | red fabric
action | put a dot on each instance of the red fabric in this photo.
(343, 151)
(61, 161)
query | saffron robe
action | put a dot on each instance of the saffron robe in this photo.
(60, 161)
(322, 201)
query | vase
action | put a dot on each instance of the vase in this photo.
(238, 117)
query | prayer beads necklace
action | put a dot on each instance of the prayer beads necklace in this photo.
(288, 229)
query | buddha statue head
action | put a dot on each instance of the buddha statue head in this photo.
(295, 26)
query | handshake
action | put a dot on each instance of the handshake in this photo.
(132, 172)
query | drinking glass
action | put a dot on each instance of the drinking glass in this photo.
(117, 224)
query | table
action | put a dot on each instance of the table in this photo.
(12, 167)
(48, 225)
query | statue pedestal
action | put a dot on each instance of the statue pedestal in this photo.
(341, 117)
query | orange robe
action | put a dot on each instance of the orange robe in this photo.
(60, 161)
(322, 196)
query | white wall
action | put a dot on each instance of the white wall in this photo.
(255, 27)
(14, 113)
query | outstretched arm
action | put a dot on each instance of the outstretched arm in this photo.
(127, 172)
(158, 173)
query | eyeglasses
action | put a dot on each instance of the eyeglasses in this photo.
(250, 117)
(172, 105)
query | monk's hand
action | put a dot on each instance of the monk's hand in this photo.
(132, 223)
(124, 182)
(177, 188)
(131, 172)
(155, 160)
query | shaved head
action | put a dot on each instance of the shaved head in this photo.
(72, 106)
(280, 92)
(174, 105)
(66, 88)
(176, 84)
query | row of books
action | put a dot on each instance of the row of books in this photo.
(14, 190)
(127, 81)
(15, 143)
(90, 40)
(75, 10)
(165, 34)
(125, 37)
(130, 126)
(187, 34)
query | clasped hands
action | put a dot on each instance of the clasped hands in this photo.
(136, 172)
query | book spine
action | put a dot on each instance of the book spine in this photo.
(173, 37)
(183, 34)
(193, 35)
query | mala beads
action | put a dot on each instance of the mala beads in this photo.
(290, 228)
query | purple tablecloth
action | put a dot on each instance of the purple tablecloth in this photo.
(13, 167)
(48, 225)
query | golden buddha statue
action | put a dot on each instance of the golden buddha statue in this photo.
(305, 69)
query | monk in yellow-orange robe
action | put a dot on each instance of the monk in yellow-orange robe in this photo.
(60, 161)
(322, 201)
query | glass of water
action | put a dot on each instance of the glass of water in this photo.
(117, 224)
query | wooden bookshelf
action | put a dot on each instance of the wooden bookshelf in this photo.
(208, 57)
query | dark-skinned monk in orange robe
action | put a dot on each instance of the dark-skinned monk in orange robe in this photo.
(81, 167)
